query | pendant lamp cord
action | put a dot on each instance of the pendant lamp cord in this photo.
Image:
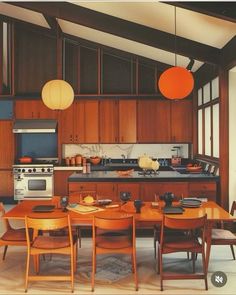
(175, 39)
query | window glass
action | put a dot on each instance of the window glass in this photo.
(200, 131)
(215, 88)
(215, 117)
(206, 93)
(199, 95)
(208, 131)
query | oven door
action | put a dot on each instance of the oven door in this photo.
(34, 186)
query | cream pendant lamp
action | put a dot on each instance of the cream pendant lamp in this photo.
(176, 82)
(57, 94)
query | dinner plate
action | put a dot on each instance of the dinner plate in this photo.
(191, 203)
(104, 201)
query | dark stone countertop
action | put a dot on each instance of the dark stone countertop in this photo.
(112, 176)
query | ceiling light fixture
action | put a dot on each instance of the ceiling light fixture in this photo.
(57, 94)
(176, 82)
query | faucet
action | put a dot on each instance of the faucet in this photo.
(123, 157)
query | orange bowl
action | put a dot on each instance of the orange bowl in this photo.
(194, 169)
(95, 160)
(125, 172)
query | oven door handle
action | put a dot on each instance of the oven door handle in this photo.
(38, 175)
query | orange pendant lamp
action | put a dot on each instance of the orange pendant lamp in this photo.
(176, 82)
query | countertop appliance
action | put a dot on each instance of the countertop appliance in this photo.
(33, 181)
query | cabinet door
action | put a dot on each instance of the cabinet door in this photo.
(148, 190)
(6, 144)
(78, 122)
(133, 188)
(33, 109)
(127, 121)
(181, 121)
(81, 186)
(6, 187)
(61, 182)
(108, 119)
(203, 190)
(107, 190)
(91, 124)
(153, 121)
(66, 125)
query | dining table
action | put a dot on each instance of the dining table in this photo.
(150, 214)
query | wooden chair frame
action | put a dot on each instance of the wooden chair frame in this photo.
(189, 244)
(11, 236)
(102, 244)
(66, 246)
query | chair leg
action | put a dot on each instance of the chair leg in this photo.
(204, 269)
(5, 252)
(27, 272)
(72, 269)
(160, 268)
(193, 254)
(232, 250)
(135, 271)
(132, 262)
(79, 235)
(93, 270)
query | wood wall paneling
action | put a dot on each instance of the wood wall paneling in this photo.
(7, 151)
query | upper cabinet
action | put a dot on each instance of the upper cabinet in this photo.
(181, 121)
(35, 60)
(153, 121)
(33, 109)
(127, 121)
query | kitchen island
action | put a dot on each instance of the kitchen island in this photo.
(109, 185)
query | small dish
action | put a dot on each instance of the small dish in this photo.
(125, 172)
(104, 202)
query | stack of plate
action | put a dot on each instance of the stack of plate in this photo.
(191, 202)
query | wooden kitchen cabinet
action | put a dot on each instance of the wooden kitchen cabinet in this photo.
(75, 187)
(108, 121)
(203, 190)
(133, 188)
(107, 190)
(181, 121)
(153, 121)
(33, 109)
(79, 123)
(61, 182)
(148, 190)
(6, 187)
(6, 144)
(127, 121)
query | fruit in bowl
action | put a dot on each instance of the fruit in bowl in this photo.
(95, 160)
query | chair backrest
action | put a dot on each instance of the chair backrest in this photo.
(115, 223)
(47, 224)
(5, 223)
(233, 208)
(183, 224)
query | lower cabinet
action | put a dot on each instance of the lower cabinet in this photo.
(133, 188)
(107, 190)
(203, 190)
(61, 182)
(6, 187)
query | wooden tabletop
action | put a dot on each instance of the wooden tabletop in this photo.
(148, 213)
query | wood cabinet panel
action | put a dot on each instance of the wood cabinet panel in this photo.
(6, 187)
(61, 182)
(91, 125)
(181, 121)
(133, 188)
(33, 109)
(66, 126)
(203, 190)
(153, 121)
(107, 190)
(6, 144)
(81, 186)
(108, 121)
(79, 124)
(127, 121)
(148, 190)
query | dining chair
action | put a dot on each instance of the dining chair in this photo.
(156, 228)
(11, 236)
(193, 243)
(223, 236)
(47, 244)
(114, 234)
(78, 197)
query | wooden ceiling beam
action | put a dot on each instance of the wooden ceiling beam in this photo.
(53, 24)
(224, 10)
(125, 29)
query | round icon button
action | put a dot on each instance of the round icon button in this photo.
(218, 279)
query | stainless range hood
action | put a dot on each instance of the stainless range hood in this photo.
(35, 126)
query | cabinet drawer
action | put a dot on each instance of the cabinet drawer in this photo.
(202, 186)
(81, 186)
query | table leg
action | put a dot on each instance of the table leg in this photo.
(208, 242)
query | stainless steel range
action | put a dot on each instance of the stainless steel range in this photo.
(33, 181)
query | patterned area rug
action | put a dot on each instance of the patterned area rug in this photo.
(109, 269)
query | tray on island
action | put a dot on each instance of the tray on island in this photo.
(173, 210)
(43, 208)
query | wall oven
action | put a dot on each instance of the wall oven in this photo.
(33, 181)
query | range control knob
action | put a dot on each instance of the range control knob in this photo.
(30, 170)
(19, 170)
(48, 169)
(34, 170)
(43, 169)
(23, 170)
